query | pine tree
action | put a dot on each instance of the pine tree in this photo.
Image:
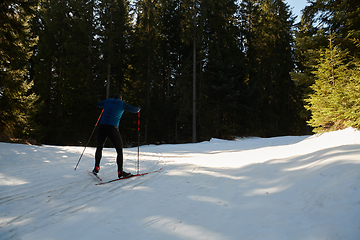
(340, 17)
(268, 40)
(308, 42)
(16, 40)
(223, 76)
(64, 76)
(335, 103)
(145, 62)
(169, 56)
(114, 34)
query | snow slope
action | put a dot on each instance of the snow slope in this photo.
(305, 187)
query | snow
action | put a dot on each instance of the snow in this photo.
(294, 187)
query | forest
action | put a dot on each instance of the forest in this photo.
(199, 69)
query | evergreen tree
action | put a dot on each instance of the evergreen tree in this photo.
(319, 20)
(114, 34)
(145, 62)
(223, 72)
(64, 76)
(16, 40)
(274, 100)
(190, 33)
(308, 43)
(335, 103)
(169, 56)
(340, 17)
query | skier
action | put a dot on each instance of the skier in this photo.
(109, 128)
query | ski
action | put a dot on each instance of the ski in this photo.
(135, 175)
(94, 175)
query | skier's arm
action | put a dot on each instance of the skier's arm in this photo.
(100, 104)
(132, 109)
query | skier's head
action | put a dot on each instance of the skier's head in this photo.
(118, 96)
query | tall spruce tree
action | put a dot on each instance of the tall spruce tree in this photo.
(190, 33)
(340, 17)
(223, 72)
(145, 62)
(275, 104)
(64, 76)
(114, 34)
(169, 57)
(16, 41)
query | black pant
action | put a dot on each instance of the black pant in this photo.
(104, 132)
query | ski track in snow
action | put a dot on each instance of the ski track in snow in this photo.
(305, 187)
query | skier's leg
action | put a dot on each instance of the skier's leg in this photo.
(116, 139)
(101, 139)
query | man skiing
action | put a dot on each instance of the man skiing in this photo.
(109, 128)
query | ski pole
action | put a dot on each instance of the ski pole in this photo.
(138, 162)
(89, 139)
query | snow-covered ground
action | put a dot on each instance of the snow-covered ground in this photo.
(304, 187)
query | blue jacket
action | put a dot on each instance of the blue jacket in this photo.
(113, 110)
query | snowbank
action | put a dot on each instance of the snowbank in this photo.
(303, 187)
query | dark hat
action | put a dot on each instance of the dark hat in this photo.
(118, 96)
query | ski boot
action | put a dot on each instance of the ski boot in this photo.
(96, 170)
(123, 174)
